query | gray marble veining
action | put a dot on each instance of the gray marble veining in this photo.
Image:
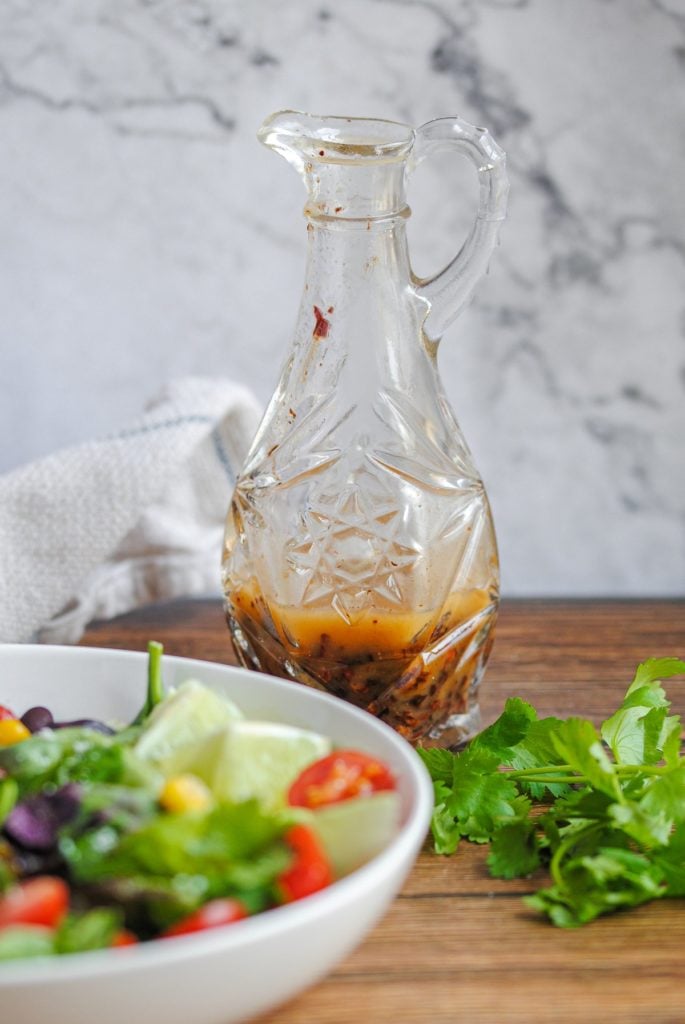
(144, 234)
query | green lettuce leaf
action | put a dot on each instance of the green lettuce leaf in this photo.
(175, 862)
(94, 929)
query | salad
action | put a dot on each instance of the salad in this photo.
(188, 818)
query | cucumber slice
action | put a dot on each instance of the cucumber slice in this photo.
(188, 715)
(261, 759)
(354, 831)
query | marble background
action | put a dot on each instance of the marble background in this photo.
(144, 234)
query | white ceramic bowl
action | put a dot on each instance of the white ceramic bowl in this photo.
(226, 974)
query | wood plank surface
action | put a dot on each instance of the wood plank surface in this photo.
(458, 945)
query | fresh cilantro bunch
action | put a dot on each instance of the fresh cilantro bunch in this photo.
(603, 812)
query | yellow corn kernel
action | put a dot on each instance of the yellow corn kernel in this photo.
(12, 731)
(185, 793)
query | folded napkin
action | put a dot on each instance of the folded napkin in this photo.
(100, 528)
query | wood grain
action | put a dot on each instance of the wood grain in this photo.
(458, 945)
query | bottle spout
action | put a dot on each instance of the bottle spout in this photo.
(341, 157)
(298, 136)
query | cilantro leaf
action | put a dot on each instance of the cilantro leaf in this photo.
(666, 794)
(522, 740)
(444, 827)
(481, 796)
(642, 735)
(514, 851)
(440, 763)
(612, 879)
(475, 798)
(583, 803)
(638, 732)
(671, 862)
(508, 730)
(653, 669)
(669, 740)
(613, 824)
(537, 750)
(648, 829)
(650, 695)
(654, 728)
(624, 732)
(577, 741)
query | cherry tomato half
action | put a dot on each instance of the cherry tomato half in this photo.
(211, 915)
(310, 870)
(124, 938)
(43, 900)
(6, 713)
(342, 775)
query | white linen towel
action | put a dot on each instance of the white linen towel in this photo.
(105, 526)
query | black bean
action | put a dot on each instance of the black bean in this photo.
(37, 718)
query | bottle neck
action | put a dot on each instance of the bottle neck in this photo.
(356, 215)
(355, 192)
(359, 326)
(357, 339)
(354, 267)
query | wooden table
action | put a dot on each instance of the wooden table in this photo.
(458, 945)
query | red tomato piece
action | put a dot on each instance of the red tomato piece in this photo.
(124, 938)
(43, 900)
(211, 915)
(310, 870)
(6, 713)
(342, 775)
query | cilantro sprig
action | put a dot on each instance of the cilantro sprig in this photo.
(603, 811)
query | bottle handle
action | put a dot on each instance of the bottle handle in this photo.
(449, 290)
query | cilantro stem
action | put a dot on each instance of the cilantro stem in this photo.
(568, 844)
(544, 778)
(547, 773)
(643, 769)
(538, 769)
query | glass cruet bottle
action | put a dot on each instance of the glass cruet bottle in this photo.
(360, 555)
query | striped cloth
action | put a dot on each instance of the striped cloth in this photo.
(103, 527)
